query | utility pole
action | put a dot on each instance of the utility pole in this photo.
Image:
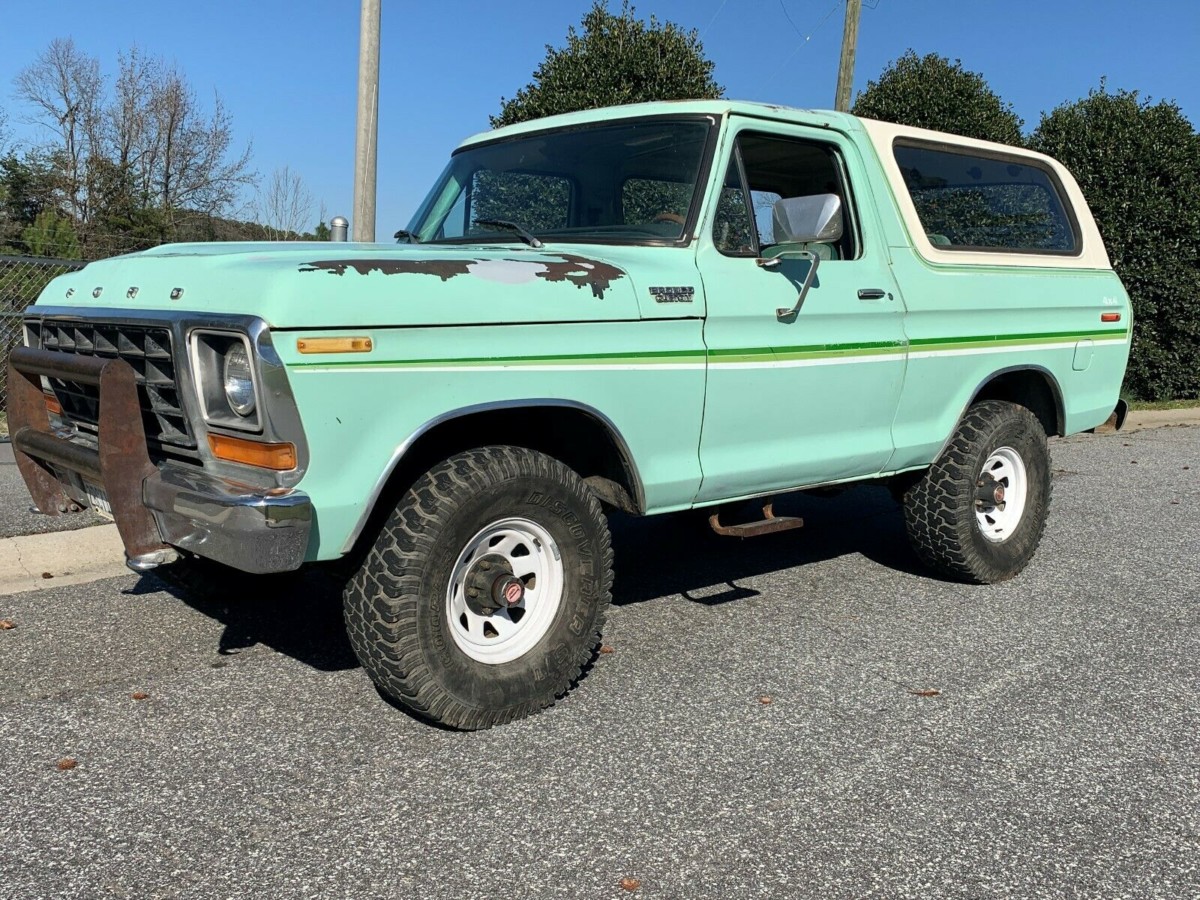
(845, 82)
(366, 142)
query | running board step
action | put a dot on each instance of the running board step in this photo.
(769, 524)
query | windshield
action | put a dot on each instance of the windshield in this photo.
(629, 182)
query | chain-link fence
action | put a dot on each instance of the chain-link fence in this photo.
(21, 280)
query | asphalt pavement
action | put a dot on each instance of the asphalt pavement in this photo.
(16, 508)
(802, 715)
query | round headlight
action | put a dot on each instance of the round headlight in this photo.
(239, 383)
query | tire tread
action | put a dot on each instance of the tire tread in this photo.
(938, 508)
(382, 621)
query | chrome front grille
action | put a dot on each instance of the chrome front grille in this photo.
(148, 349)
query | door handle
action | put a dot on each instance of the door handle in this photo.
(873, 294)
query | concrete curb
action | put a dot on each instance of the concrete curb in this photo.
(1142, 419)
(68, 557)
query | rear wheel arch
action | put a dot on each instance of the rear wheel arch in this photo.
(1033, 387)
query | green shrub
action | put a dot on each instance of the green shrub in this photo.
(932, 92)
(1139, 167)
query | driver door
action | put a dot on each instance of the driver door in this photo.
(806, 399)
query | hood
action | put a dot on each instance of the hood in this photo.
(315, 285)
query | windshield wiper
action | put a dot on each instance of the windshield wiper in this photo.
(512, 226)
(407, 236)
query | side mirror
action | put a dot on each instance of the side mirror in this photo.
(802, 221)
(807, 220)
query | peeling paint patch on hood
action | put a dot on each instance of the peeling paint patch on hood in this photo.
(580, 271)
(444, 269)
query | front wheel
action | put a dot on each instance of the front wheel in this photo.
(978, 513)
(483, 597)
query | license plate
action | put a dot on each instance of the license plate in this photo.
(97, 499)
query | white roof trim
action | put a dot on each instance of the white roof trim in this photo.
(1093, 255)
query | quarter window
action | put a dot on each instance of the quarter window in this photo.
(980, 201)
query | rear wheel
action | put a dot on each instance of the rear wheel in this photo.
(484, 594)
(978, 513)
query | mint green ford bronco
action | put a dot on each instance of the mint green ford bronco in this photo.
(650, 308)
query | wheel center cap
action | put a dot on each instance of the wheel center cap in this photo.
(508, 590)
(989, 493)
(491, 585)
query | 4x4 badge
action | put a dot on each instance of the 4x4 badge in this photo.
(673, 294)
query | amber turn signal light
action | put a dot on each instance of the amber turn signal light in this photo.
(1110, 317)
(334, 345)
(279, 457)
(53, 406)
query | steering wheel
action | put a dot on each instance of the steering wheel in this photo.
(669, 217)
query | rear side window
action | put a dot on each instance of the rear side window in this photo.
(978, 201)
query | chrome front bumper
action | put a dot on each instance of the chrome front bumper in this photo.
(160, 509)
(251, 529)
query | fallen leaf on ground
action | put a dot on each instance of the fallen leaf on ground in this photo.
(139, 695)
(605, 648)
(66, 763)
(7, 624)
(47, 575)
(629, 884)
(766, 700)
(929, 693)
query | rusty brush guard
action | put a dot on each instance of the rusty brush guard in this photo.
(121, 463)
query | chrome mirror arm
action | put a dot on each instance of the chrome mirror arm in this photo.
(783, 312)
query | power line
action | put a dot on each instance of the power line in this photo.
(787, 15)
(836, 6)
(714, 18)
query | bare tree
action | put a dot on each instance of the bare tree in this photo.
(127, 115)
(191, 166)
(65, 88)
(284, 206)
(148, 144)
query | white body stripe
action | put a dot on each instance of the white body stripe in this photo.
(688, 367)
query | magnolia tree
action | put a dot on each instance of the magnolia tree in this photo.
(616, 58)
(1138, 164)
(933, 92)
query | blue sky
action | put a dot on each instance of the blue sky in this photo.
(287, 70)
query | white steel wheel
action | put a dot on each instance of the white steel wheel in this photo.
(505, 590)
(1004, 480)
(978, 513)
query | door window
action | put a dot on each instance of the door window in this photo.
(766, 168)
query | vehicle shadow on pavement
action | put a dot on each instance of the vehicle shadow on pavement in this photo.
(297, 614)
(680, 555)
(300, 614)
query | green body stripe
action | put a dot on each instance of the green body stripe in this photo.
(1001, 339)
(741, 355)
